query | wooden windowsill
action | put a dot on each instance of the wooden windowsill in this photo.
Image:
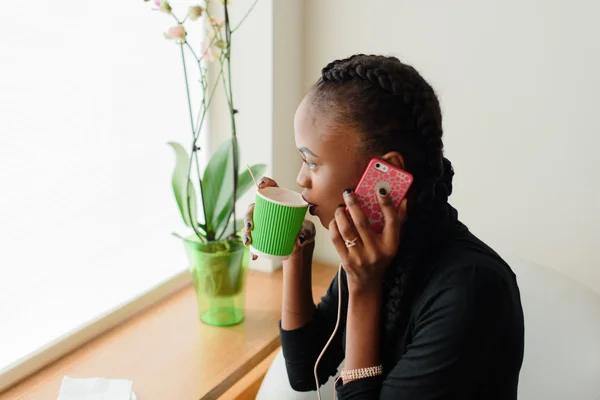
(169, 354)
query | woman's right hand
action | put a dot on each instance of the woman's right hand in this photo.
(304, 242)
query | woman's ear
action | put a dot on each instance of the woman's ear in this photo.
(394, 158)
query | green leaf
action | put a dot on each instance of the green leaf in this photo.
(224, 197)
(239, 223)
(214, 180)
(225, 204)
(183, 187)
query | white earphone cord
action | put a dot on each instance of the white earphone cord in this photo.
(337, 323)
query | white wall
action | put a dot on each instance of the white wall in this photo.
(518, 81)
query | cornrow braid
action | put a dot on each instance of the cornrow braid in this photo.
(395, 109)
(404, 83)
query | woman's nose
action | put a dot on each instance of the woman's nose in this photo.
(303, 179)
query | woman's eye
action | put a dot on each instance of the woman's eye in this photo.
(310, 165)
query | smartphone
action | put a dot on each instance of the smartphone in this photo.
(381, 175)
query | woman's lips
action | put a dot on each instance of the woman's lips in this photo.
(312, 208)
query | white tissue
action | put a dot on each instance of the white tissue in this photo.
(96, 389)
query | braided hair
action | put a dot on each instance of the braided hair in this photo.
(394, 109)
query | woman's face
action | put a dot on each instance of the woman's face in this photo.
(332, 159)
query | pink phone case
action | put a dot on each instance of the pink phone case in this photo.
(380, 174)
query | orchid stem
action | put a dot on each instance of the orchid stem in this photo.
(194, 155)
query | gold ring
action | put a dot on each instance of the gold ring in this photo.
(351, 243)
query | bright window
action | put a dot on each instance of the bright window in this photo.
(90, 94)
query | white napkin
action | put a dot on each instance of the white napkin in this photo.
(96, 389)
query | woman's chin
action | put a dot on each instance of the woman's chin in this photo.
(324, 223)
(324, 218)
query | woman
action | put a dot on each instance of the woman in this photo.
(428, 310)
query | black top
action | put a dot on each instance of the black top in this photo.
(463, 338)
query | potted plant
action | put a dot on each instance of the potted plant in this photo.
(218, 258)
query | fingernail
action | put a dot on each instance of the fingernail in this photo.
(254, 257)
(347, 191)
(248, 225)
(301, 238)
(246, 240)
(382, 192)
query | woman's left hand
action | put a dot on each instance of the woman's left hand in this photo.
(366, 261)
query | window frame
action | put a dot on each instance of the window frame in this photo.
(71, 341)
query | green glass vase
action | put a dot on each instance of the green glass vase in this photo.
(219, 271)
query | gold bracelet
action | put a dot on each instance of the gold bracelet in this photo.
(348, 375)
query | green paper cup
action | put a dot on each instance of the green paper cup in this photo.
(278, 217)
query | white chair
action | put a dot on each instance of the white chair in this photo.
(562, 341)
(562, 335)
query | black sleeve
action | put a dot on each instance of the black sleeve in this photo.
(302, 346)
(456, 328)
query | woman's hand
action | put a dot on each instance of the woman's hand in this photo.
(305, 240)
(365, 254)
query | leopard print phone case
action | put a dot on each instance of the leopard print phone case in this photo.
(378, 175)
